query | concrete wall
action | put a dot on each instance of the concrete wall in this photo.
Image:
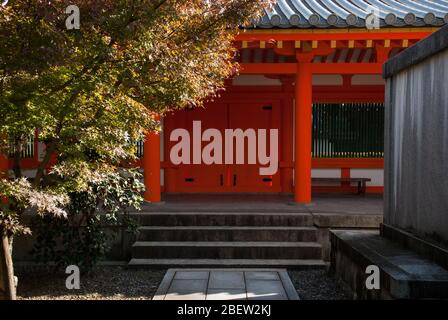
(416, 184)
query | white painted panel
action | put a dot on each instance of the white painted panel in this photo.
(29, 173)
(326, 173)
(255, 80)
(162, 141)
(246, 80)
(40, 151)
(377, 176)
(328, 80)
(367, 80)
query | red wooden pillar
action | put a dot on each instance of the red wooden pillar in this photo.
(151, 166)
(303, 129)
(4, 165)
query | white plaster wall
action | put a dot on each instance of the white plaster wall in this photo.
(40, 151)
(326, 173)
(327, 80)
(367, 80)
(318, 80)
(29, 173)
(255, 80)
(247, 80)
(377, 176)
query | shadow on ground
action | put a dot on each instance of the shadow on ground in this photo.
(318, 285)
(104, 283)
(119, 283)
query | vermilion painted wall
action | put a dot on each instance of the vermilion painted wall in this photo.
(271, 92)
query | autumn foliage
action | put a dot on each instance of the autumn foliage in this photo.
(91, 92)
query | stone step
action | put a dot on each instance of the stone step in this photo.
(296, 264)
(226, 250)
(224, 219)
(279, 234)
(404, 273)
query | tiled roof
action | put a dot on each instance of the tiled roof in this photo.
(353, 13)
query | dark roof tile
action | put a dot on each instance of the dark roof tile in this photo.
(353, 13)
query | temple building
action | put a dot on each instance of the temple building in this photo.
(310, 71)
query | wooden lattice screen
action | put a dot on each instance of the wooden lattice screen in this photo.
(348, 130)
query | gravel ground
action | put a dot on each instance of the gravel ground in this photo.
(119, 283)
(318, 285)
(104, 283)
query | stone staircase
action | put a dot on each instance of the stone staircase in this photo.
(226, 240)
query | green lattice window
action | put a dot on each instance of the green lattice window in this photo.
(348, 130)
(140, 148)
(27, 149)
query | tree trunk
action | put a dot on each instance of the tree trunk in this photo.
(7, 281)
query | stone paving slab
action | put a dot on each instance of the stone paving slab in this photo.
(226, 280)
(226, 284)
(237, 203)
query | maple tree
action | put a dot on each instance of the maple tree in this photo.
(91, 92)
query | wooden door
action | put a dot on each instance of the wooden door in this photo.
(230, 177)
(254, 116)
(197, 177)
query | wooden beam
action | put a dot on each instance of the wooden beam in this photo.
(347, 68)
(317, 68)
(307, 46)
(371, 163)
